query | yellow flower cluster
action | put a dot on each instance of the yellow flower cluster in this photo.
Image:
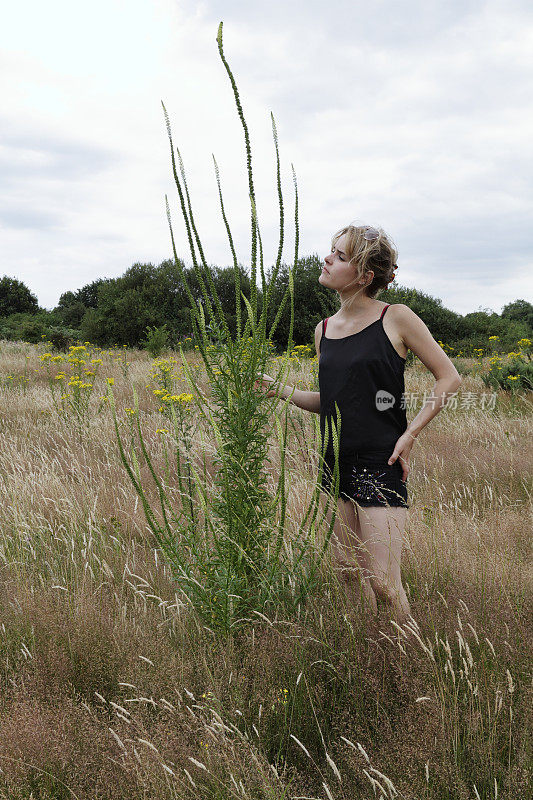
(78, 383)
(183, 399)
(283, 697)
(166, 365)
(302, 350)
(49, 357)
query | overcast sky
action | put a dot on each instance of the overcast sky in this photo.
(415, 115)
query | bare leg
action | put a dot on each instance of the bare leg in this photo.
(351, 560)
(382, 529)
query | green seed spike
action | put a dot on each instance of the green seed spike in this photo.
(249, 168)
(202, 340)
(201, 251)
(176, 179)
(184, 212)
(188, 223)
(266, 295)
(291, 274)
(197, 317)
(233, 253)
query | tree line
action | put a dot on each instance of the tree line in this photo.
(111, 311)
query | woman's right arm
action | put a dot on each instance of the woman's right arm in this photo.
(308, 401)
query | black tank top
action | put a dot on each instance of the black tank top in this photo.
(364, 374)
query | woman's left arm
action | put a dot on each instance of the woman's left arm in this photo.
(416, 336)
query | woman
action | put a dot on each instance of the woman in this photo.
(361, 374)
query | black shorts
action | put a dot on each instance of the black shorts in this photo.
(367, 479)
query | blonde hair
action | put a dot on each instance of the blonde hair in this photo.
(378, 255)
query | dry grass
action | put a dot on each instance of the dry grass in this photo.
(111, 689)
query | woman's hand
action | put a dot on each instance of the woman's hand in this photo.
(402, 450)
(263, 384)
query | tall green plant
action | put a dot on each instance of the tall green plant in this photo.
(156, 339)
(240, 560)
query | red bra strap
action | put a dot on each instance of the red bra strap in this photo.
(386, 307)
(325, 325)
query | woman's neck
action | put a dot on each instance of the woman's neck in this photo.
(357, 309)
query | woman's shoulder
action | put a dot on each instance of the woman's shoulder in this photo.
(401, 311)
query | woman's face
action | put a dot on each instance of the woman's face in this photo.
(337, 272)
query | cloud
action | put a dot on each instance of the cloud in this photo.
(44, 154)
(21, 218)
(412, 115)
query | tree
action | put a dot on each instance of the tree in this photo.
(519, 310)
(16, 298)
(72, 306)
(71, 309)
(88, 295)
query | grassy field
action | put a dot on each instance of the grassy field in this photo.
(111, 687)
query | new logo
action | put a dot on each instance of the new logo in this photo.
(384, 400)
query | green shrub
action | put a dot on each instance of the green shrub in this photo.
(156, 340)
(512, 374)
(23, 327)
(62, 337)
